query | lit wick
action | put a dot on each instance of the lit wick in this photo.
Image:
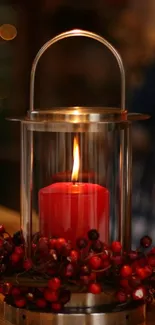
(76, 161)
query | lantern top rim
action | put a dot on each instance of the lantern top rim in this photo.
(80, 115)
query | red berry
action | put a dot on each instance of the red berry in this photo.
(44, 240)
(27, 265)
(146, 242)
(41, 303)
(121, 296)
(69, 271)
(66, 249)
(1, 243)
(139, 293)
(81, 243)
(105, 256)
(64, 296)
(124, 283)
(52, 243)
(116, 247)
(16, 291)
(135, 281)
(20, 302)
(85, 270)
(105, 264)
(141, 272)
(85, 279)
(95, 262)
(93, 234)
(60, 243)
(30, 296)
(92, 277)
(54, 284)
(53, 255)
(74, 256)
(148, 270)
(56, 307)
(2, 230)
(133, 255)
(19, 250)
(97, 246)
(15, 258)
(151, 261)
(152, 251)
(34, 246)
(95, 288)
(126, 271)
(51, 296)
(117, 260)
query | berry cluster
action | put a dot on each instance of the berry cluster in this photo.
(60, 269)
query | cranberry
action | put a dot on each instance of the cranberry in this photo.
(117, 260)
(95, 288)
(20, 302)
(19, 250)
(56, 307)
(146, 242)
(148, 270)
(97, 246)
(60, 243)
(64, 296)
(27, 265)
(1, 243)
(85, 279)
(116, 247)
(95, 262)
(139, 293)
(41, 303)
(85, 270)
(69, 271)
(124, 283)
(152, 251)
(81, 243)
(93, 234)
(105, 256)
(126, 271)
(2, 230)
(133, 255)
(15, 258)
(121, 296)
(51, 296)
(52, 243)
(53, 255)
(105, 264)
(66, 249)
(151, 260)
(135, 281)
(74, 256)
(54, 284)
(16, 291)
(141, 272)
(30, 296)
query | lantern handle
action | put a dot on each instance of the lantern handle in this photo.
(74, 33)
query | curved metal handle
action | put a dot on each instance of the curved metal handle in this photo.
(74, 33)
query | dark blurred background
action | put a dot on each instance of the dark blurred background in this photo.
(79, 72)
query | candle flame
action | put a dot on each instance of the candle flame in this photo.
(76, 160)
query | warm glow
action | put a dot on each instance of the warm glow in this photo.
(76, 160)
(8, 32)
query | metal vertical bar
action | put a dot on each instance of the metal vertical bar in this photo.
(125, 186)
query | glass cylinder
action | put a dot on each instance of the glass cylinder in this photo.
(75, 177)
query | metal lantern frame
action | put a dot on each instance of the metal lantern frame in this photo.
(78, 119)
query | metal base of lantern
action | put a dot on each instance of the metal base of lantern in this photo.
(130, 316)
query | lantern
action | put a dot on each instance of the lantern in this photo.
(75, 212)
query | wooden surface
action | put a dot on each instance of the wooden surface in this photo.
(11, 220)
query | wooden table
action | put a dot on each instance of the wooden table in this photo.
(11, 220)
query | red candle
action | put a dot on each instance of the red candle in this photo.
(71, 209)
